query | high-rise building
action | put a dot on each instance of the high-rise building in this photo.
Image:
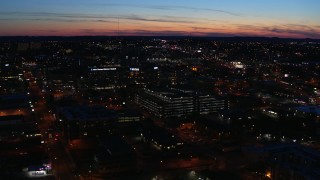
(103, 78)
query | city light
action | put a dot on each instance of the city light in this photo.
(158, 106)
(268, 174)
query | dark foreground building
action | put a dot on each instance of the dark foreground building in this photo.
(286, 161)
(86, 121)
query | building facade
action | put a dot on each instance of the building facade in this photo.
(177, 103)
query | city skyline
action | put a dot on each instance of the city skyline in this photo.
(285, 19)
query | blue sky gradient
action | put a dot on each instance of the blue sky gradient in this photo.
(281, 18)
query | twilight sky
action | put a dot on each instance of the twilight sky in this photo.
(281, 18)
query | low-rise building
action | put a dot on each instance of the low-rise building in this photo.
(86, 121)
(177, 103)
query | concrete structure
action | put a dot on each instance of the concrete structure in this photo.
(176, 102)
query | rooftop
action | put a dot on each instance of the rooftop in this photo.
(87, 113)
(309, 109)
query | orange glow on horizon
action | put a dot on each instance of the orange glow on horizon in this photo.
(137, 28)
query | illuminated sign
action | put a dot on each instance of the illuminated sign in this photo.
(134, 69)
(238, 65)
(103, 69)
(40, 172)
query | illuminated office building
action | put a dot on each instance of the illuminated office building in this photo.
(176, 103)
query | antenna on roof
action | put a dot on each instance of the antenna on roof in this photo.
(118, 26)
(119, 30)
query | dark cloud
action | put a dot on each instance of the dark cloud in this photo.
(194, 20)
(50, 31)
(195, 9)
(5, 19)
(135, 32)
(89, 31)
(200, 28)
(142, 32)
(216, 34)
(59, 20)
(63, 17)
(164, 7)
(306, 33)
(284, 29)
(295, 29)
(171, 20)
(95, 32)
(50, 14)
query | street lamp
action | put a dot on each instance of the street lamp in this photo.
(268, 174)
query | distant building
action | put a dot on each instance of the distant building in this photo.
(286, 161)
(176, 103)
(160, 138)
(86, 121)
(130, 116)
(24, 46)
(35, 165)
(11, 78)
(61, 82)
(102, 78)
(113, 151)
(15, 104)
(11, 120)
(312, 110)
(17, 127)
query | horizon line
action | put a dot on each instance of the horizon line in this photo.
(193, 36)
